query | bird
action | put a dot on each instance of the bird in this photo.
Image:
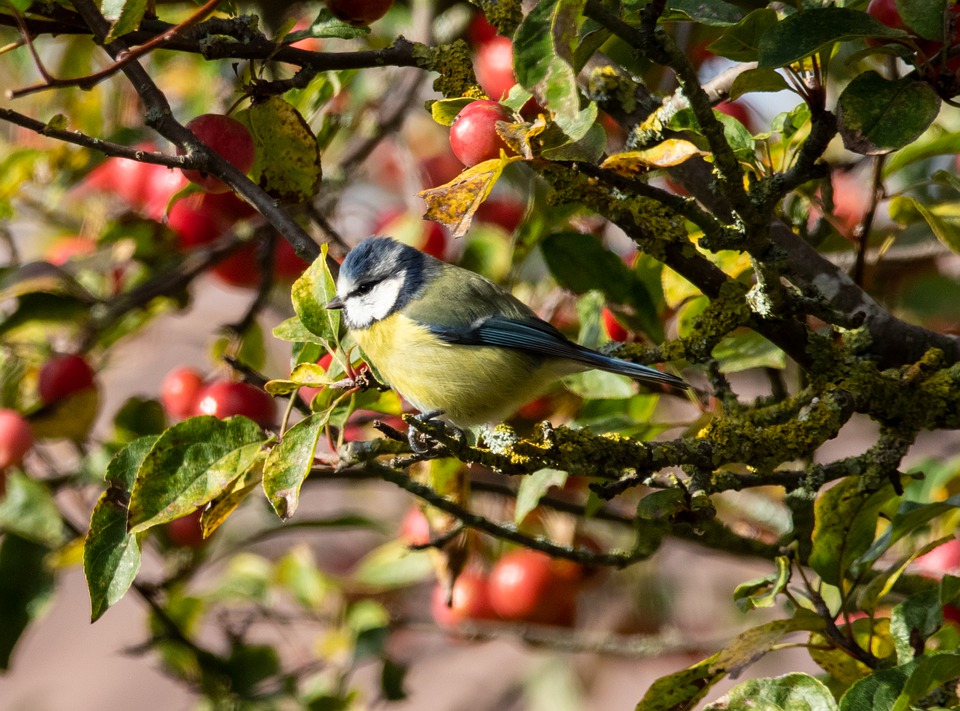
(453, 344)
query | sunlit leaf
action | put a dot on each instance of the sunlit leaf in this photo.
(311, 293)
(289, 463)
(190, 464)
(124, 15)
(454, 204)
(795, 691)
(673, 151)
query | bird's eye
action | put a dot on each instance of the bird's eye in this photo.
(364, 288)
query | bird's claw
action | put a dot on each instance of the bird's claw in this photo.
(422, 442)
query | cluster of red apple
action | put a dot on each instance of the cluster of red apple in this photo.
(197, 219)
(523, 585)
(184, 393)
(59, 378)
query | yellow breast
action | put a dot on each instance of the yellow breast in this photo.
(470, 384)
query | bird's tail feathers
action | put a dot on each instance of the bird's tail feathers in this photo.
(631, 370)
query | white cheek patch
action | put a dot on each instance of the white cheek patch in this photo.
(364, 310)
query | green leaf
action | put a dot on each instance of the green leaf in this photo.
(741, 42)
(913, 621)
(746, 350)
(392, 676)
(762, 592)
(29, 511)
(289, 463)
(599, 385)
(758, 80)
(803, 33)
(878, 115)
(715, 13)
(846, 521)
(326, 25)
(683, 689)
(934, 143)
(946, 230)
(925, 17)
(227, 501)
(444, 111)
(125, 16)
(189, 465)
(297, 572)
(39, 313)
(248, 665)
(662, 505)
(138, 417)
(287, 164)
(895, 689)
(735, 133)
(392, 565)
(293, 331)
(311, 293)
(26, 588)
(790, 692)
(308, 375)
(252, 351)
(909, 517)
(533, 488)
(543, 51)
(751, 644)
(581, 263)
(588, 147)
(869, 595)
(111, 556)
(949, 590)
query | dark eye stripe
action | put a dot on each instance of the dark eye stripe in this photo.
(364, 288)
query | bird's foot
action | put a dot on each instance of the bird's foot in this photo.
(422, 442)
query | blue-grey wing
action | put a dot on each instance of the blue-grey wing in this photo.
(540, 338)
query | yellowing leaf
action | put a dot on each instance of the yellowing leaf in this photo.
(454, 203)
(288, 157)
(519, 135)
(673, 151)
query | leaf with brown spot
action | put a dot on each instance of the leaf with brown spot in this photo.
(519, 135)
(455, 203)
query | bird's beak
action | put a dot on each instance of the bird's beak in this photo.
(335, 303)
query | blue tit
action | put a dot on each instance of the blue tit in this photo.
(449, 340)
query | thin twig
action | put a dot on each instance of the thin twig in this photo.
(91, 80)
